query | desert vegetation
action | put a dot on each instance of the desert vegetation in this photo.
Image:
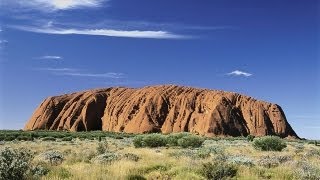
(103, 155)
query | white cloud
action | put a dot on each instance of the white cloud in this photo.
(57, 69)
(80, 73)
(50, 57)
(103, 32)
(54, 5)
(239, 73)
(102, 75)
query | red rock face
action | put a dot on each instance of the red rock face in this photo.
(163, 109)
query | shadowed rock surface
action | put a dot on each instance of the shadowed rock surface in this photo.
(165, 109)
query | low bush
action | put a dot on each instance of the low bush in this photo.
(66, 139)
(218, 170)
(203, 153)
(53, 157)
(273, 160)
(105, 158)
(190, 141)
(312, 152)
(157, 140)
(14, 163)
(39, 170)
(306, 170)
(9, 138)
(149, 140)
(298, 148)
(241, 160)
(138, 141)
(269, 143)
(48, 139)
(172, 139)
(154, 140)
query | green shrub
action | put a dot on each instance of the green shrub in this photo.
(149, 140)
(154, 140)
(172, 139)
(250, 138)
(269, 143)
(14, 163)
(203, 153)
(9, 138)
(31, 136)
(66, 139)
(218, 170)
(138, 141)
(190, 141)
(158, 140)
(49, 139)
(39, 171)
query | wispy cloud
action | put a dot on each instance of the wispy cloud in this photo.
(101, 75)
(80, 73)
(50, 57)
(103, 32)
(2, 41)
(57, 69)
(239, 73)
(53, 5)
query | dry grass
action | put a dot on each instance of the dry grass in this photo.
(158, 163)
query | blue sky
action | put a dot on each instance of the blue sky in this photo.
(268, 49)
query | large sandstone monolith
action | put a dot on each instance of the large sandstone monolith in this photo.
(165, 109)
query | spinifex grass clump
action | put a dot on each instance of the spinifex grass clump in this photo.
(269, 143)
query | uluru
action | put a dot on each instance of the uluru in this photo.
(163, 109)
